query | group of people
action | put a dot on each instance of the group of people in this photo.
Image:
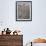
(8, 32)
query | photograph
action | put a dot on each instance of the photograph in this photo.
(23, 10)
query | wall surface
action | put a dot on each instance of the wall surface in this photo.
(30, 29)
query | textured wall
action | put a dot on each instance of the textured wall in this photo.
(34, 29)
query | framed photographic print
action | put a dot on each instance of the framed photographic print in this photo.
(23, 10)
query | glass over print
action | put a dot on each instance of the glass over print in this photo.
(23, 10)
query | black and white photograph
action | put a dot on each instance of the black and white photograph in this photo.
(24, 10)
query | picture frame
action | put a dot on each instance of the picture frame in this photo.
(23, 10)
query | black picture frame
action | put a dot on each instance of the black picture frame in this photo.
(23, 10)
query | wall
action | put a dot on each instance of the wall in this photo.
(30, 29)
